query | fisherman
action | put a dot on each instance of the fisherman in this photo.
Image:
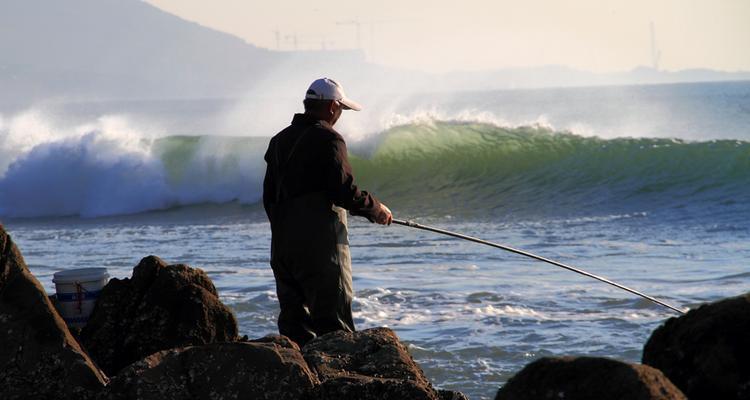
(307, 186)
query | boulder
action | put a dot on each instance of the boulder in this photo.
(280, 340)
(444, 394)
(160, 308)
(39, 358)
(583, 378)
(370, 364)
(704, 352)
(216, 371)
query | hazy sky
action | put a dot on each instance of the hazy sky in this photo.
(438, 35)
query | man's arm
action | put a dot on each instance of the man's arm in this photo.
(345, 193)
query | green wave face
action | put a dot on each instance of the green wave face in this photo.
(477, 170)
(205, 160)
(480, 169)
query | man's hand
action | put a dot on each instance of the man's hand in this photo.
(384, 215)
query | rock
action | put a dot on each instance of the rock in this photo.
(451, 395)
(216, 371)
(161, 307)
(280, 340)
(369, 388)
(39, 358)
(370, 364)
(705, 351)
(588, 378)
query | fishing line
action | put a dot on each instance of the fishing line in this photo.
(413, 224)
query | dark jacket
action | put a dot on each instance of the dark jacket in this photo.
(318, 163)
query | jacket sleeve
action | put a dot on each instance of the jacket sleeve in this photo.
(340, 182)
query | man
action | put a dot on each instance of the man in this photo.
(307, 186)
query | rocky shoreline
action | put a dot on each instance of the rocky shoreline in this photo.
(164, 334)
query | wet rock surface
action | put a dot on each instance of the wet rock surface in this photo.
(705, 352)
(161, 307)
(39, 358)
(217, 371)
(586, 378)
(370, 364)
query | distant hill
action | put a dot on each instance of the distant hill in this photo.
(128, 49)
(124, 49)
(561, 76)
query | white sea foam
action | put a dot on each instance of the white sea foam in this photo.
(507, 310)
(96, 169)
(105, 167)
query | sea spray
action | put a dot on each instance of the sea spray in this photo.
(89, 175)
(99, 173)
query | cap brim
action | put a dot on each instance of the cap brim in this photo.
(350, 104)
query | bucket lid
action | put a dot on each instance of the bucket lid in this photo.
(80, 275)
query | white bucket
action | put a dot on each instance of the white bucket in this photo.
(77, 292)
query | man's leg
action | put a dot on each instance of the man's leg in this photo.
(316, 256)
(294, 318)
(329, 294)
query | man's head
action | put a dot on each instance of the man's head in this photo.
(325, 99)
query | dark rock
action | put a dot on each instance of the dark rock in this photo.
(216, 371)
(370, 364)
(38, 356)
(280, 340)
(161, 307)
(705, 352)
(373, 352)
(584, 378)
(451, 395)
(369, 388)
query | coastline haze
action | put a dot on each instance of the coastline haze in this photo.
(104, 50)
(478, 35)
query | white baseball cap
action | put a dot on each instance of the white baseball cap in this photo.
(328, 89)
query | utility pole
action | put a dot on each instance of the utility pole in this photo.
(277, 34)
(293, 37)
(655, 52)
(309, 42)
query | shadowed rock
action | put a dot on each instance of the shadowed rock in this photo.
(39, 358)
(161, 307)
(370, 364)
(216, 371)
(280, 340)
(706, 352)
(588, 378)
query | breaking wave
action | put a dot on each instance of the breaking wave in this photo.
(425, 168)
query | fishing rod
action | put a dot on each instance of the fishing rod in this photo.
(413, 224)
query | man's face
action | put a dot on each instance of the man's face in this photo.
(336, 109)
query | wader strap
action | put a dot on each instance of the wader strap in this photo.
(282, 174)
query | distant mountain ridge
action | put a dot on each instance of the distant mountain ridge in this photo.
(128, 49)
(124, 49)
(561, 76)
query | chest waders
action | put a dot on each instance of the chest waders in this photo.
(310, 261)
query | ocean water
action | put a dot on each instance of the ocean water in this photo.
(646, 185)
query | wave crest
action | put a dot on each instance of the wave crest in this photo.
(430, 167)
(455, 167)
